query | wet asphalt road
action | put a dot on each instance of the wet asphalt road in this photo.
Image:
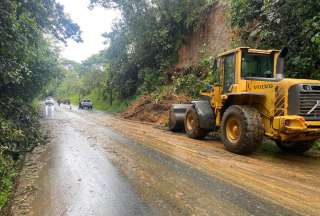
(79, 180)
(95, 168)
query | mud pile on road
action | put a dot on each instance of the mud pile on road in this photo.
(149, 109)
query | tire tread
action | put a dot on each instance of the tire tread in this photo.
(251, 120)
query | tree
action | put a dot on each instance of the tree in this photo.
(147, 38)
(28, 61)
(275, 24)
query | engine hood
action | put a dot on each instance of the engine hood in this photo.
(287, 83)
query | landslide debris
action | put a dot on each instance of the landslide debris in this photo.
(153, 110)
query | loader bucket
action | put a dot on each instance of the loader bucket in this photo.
(177, 116)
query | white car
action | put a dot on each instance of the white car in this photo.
(85, 104)
(49, 101)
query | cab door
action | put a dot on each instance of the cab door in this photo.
(229, 72)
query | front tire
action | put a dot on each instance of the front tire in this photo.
(192, 125)
(242, 130)
(295, 147)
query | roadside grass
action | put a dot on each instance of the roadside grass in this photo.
(20, 128)
(102, 104)
(74, 99)
(35, 103)
(7, 178)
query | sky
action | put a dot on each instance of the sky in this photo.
(93, 23)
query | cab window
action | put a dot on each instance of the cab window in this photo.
(229, 71)
(257, 66)
(217, 72)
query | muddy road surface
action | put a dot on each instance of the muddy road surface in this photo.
(97, 164)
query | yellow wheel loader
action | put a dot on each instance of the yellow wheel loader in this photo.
(251, 99)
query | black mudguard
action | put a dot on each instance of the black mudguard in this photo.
(206, 114)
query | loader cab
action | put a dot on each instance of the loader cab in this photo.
(241, 64)
(261, 64)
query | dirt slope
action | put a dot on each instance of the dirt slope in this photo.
(215, 36)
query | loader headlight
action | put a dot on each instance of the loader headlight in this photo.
(295, 123)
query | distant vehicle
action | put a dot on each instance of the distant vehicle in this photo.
(66, 101)
(49, 101)
(85, 104)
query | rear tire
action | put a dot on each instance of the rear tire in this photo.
(192, 125)
(242, 130)
(295, 147)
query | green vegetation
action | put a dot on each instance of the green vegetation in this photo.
(275, 24)
(143, 44)
(142, 47)
(8, 174)
(89, 80)
(28, 61)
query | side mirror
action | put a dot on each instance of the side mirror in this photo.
(280, 64)
(284, 52)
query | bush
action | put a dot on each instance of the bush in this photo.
(150, 80)
(275, 24)
(189, 84)
(7, 176)
(19, 130)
